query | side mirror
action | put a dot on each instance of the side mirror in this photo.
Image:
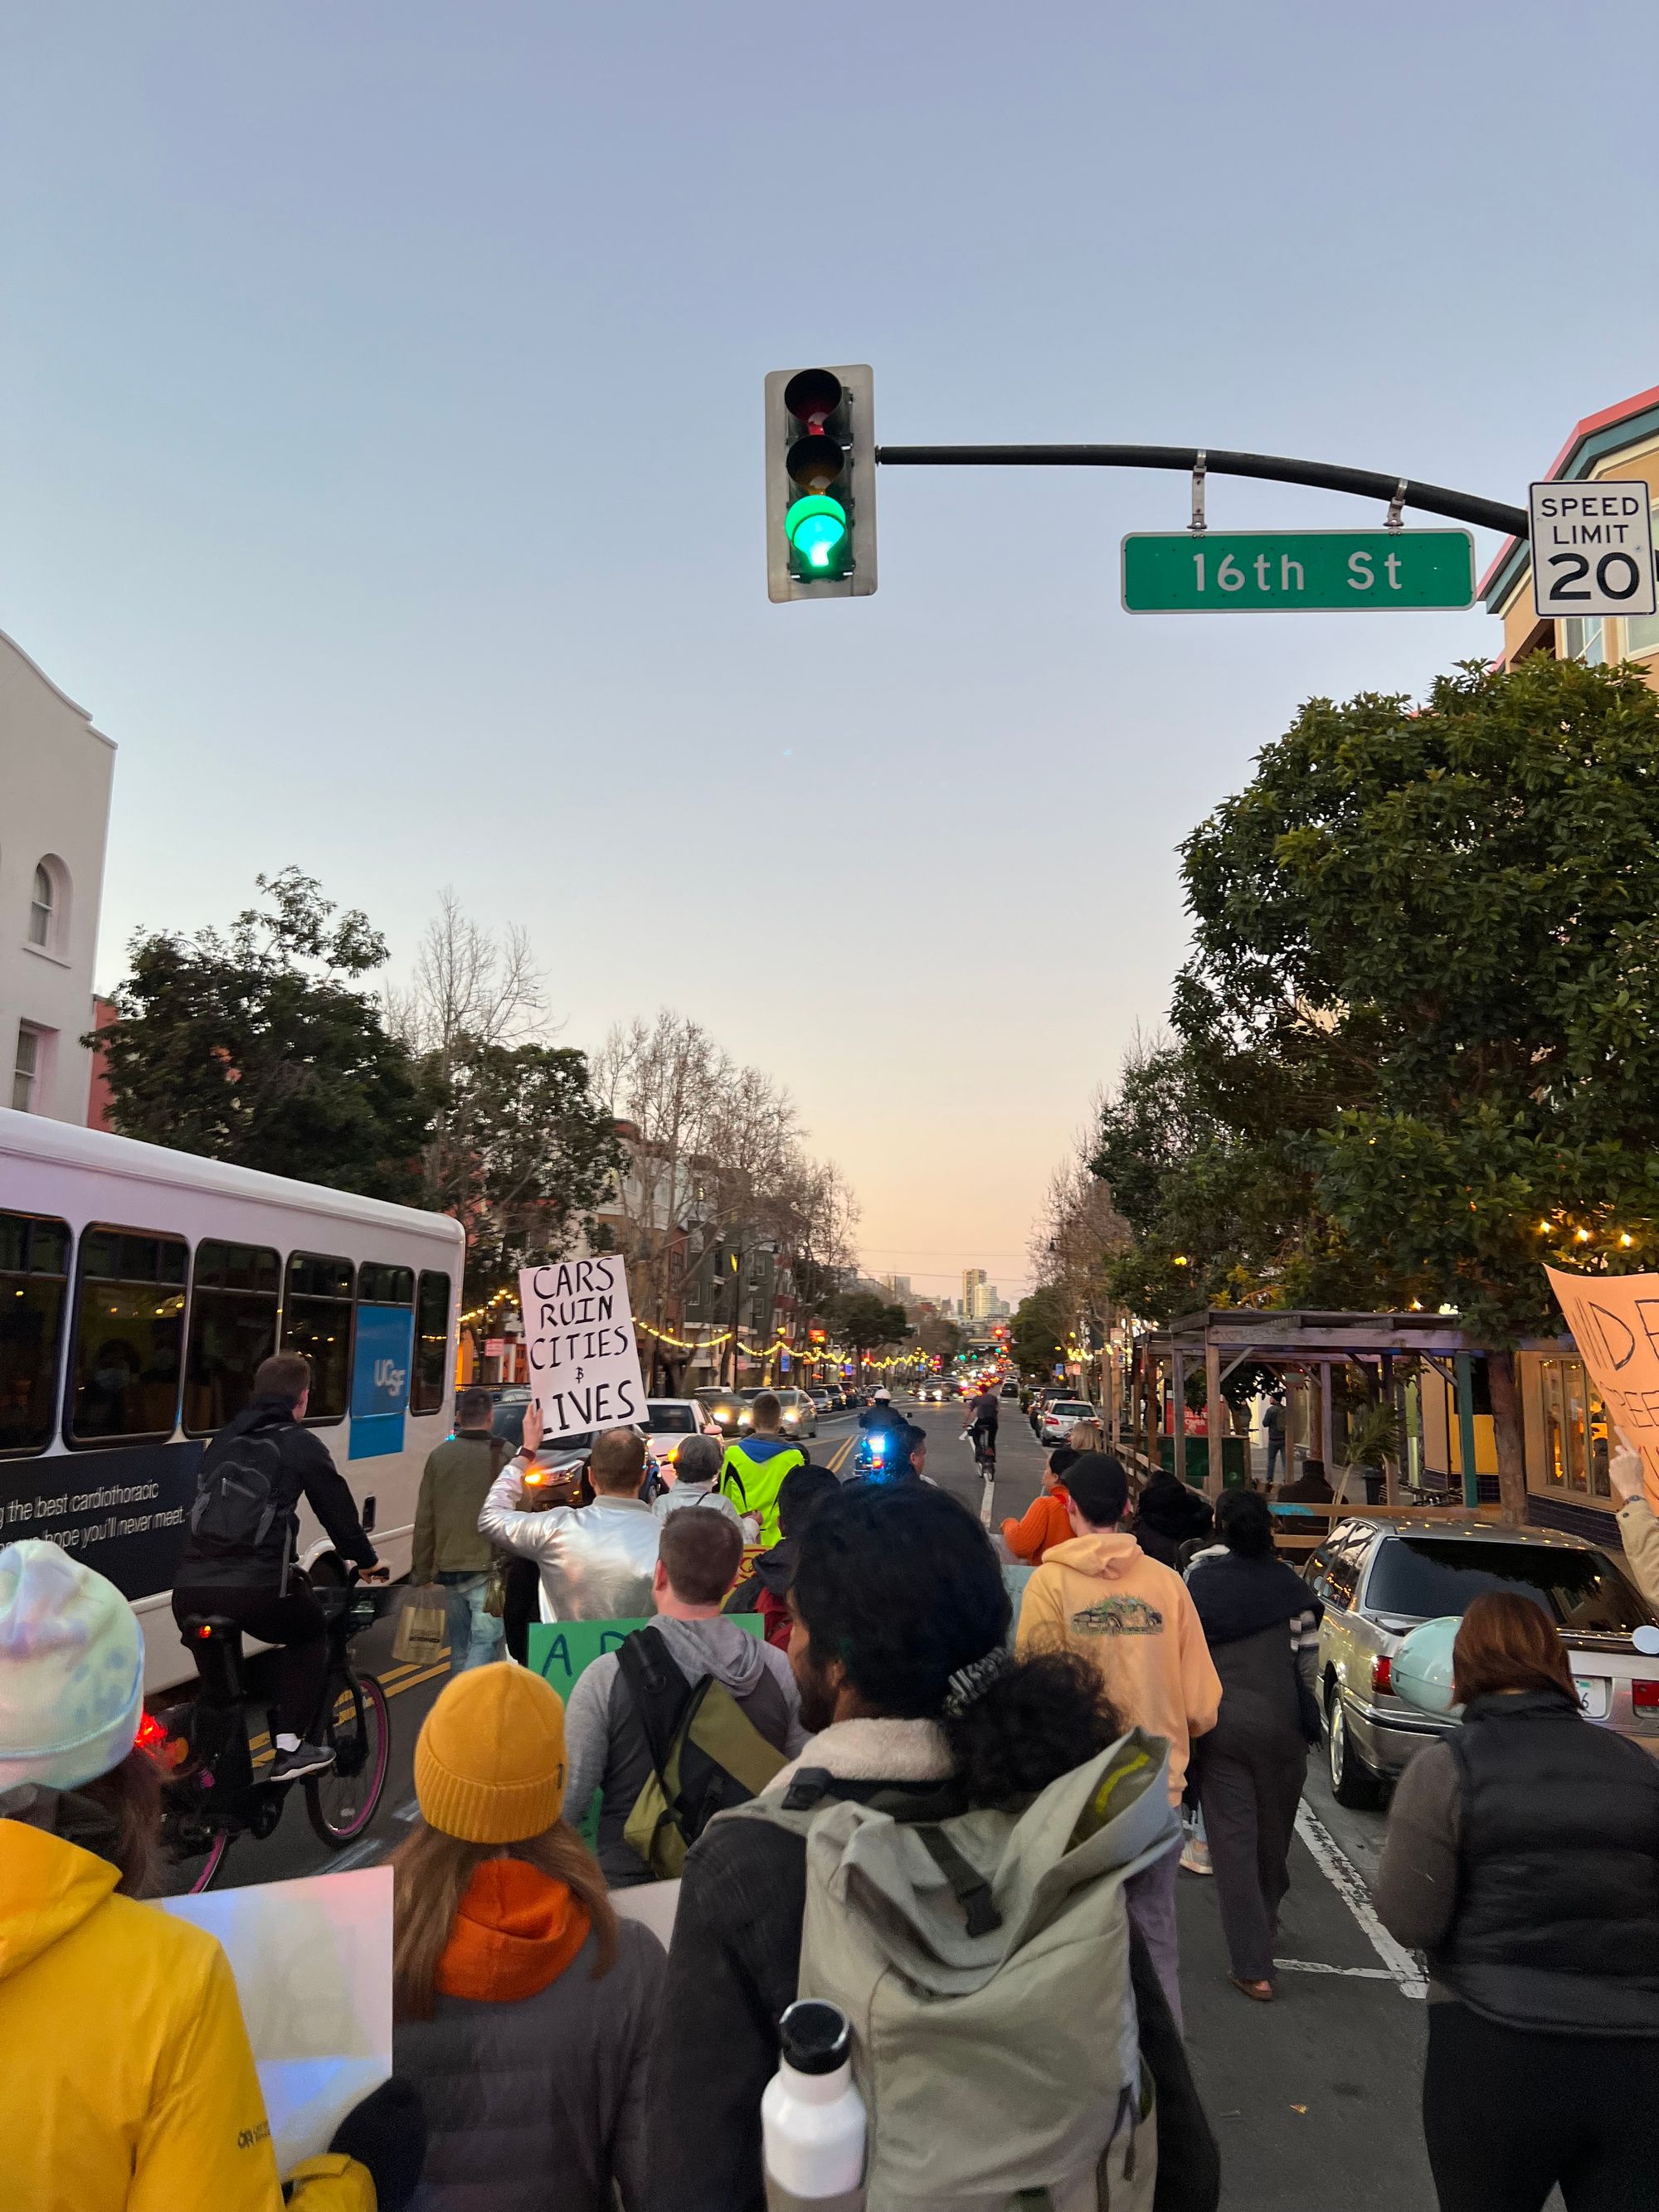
(1422, 1670)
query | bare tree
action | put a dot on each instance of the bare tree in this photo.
(471, 993)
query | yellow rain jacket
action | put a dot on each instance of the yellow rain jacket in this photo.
(127, 2083)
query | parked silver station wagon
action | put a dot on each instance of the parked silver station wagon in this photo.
(1379, 1579)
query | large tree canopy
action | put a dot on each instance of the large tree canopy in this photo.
(253, 1045)
(1416, 1046)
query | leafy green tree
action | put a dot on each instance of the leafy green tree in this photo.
(1418, 1038)
(256, 1045)
(544, 1154)
(867, 1322)
(1038, 1330)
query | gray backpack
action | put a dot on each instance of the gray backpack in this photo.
(983, 1961)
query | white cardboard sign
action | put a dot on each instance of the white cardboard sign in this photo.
(579, 1341)
(1592, 549)
(313, 1962)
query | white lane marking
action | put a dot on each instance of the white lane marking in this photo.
(1318, 1966)
(1345, 1880)
(408, 1812)
(359, 1855)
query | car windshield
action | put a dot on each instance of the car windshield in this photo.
(670, 1418)
(1424, 1576)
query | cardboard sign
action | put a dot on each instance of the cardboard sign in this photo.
(313, 1962)
(1615, 1320)
(578, 1339)
(562, 1651)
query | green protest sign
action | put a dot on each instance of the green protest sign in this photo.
(562, 1651)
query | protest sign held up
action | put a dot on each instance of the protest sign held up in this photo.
(579, 1340)
(1614, 1320)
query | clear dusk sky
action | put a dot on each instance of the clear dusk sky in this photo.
(380, 463)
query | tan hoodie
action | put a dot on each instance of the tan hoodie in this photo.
(1132, 1619)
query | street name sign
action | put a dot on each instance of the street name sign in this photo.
(1592, 549)
(1296, 572)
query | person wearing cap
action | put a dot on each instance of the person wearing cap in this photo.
(522, 2005)
(129, 2084)
(447, 1548)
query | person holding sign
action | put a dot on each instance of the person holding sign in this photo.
(1638, 1528)
(597, 1561)
(755, 1466)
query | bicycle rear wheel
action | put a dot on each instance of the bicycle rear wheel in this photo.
(186, 1873)
(341, 1802)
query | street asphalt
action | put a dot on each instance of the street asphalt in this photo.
(1313, 2097)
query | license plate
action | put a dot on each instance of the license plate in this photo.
(1595, 1695)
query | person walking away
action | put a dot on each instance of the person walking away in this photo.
(1272, 1429)
(766, 1590)
(610, 1730)
(696, 1475)
(1522, 1855)
(522, 2005)
(448, 1548)
(597, 1560)
(899, 1649)
(241, 1546)
(1170, 1513)
(1046, 1521)
(129, 2084)
(755, 1465)
(1261, 1622)
(1131, 1618)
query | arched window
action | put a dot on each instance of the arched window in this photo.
(40, 905)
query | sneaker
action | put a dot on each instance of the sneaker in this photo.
(1195, 1858)
(304, 1759)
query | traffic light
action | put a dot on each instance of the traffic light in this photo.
(820, 483)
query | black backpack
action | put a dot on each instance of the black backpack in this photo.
(707, 1755)
(243, 1507)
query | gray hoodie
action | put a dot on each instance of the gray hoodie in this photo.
(606, 1745)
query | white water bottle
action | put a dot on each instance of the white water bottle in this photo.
(812, 2123)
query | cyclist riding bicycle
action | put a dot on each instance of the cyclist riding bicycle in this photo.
(982, 1424)
(239, 1559)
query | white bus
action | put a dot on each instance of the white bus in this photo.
(139, 1291)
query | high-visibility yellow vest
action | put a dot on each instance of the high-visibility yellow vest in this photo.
(752, 1474)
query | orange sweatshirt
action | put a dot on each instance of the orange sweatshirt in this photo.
(1046, 1524)
(1133, 1620)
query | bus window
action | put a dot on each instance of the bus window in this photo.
(317, 1320)
(128, 1336)
(33, 1290)
(232, 1326)
(431, 1344)
(380, 1286)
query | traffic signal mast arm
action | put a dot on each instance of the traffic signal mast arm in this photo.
(1324, 475)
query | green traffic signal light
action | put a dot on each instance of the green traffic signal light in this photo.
(817, 531)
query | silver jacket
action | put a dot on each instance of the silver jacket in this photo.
(596, 1560)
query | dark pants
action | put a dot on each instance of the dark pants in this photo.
(1250, 1815)
(298, 1667)
(1507, 2114)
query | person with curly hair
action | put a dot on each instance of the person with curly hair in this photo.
(898, 1595)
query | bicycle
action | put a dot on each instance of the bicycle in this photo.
(211, 1790)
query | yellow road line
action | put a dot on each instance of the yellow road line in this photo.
(838, 1457)
(407, 1677)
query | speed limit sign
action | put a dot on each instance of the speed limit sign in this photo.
(1592, 549)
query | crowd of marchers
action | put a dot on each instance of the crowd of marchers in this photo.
(843, 1762)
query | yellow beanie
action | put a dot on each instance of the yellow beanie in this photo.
(489, 1765)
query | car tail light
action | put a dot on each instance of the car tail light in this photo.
(1644, 1696)
(151, 1734)
(1382, 1675)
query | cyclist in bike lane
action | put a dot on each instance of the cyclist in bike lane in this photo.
(238, 1557)
(983, 1425)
